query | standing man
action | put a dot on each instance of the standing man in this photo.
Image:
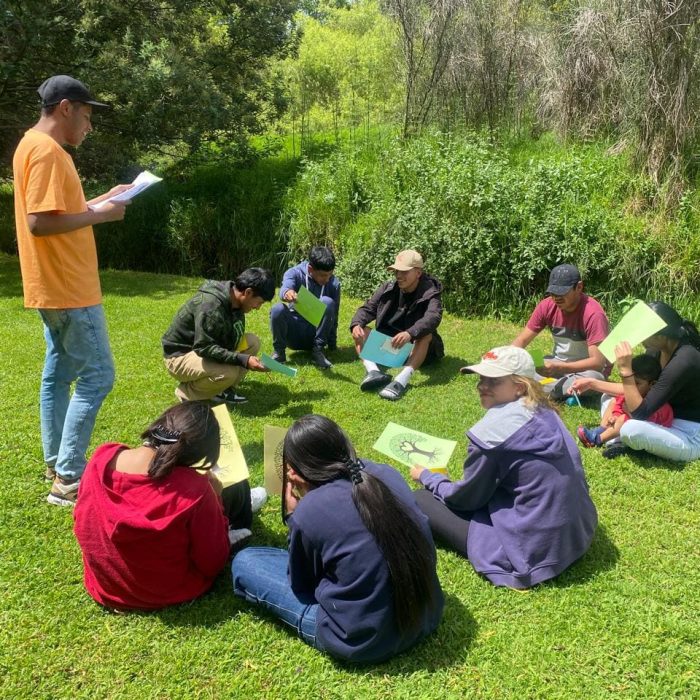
(409, 309)
(578, 325)
(288, 328)
(206, 347)
(58, 260)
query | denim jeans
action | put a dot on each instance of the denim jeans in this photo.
(260, 576)
(679, 443)
(77, 350)
(290, 330)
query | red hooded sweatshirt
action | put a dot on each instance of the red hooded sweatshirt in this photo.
(148, 543)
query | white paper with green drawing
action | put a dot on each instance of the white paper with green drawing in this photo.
(413, 447)
(638, 324)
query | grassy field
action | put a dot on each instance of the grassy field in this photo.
(622, 622)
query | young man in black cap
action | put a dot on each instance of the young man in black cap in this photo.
(578, 324)
(58, 259)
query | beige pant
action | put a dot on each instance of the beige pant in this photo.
(203, 379)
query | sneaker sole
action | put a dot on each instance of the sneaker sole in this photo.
(58, 501)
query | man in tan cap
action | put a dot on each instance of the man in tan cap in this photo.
(409, 310)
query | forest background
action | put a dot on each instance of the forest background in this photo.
(499, 137)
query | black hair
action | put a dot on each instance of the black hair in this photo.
(677, 328)
(646, 367)
(257, 279)
(322, 258)
(48, 110)
(186, 434)
(320, 452)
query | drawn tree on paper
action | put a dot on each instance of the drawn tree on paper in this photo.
(406, 446)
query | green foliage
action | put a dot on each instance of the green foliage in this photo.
(620, 623)
(491, 222)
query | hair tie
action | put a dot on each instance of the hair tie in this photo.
(160, 435)
(355, 468)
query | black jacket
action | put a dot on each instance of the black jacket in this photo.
(392, 315)
(209, 325)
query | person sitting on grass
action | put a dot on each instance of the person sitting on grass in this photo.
(677, 347)
(206, 347)
(289, 329)
(646, 370)
(409, 309)
(358, 581)
(521, 513)
(578, 325)
(155, 531)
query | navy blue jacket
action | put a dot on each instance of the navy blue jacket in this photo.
(334, 558)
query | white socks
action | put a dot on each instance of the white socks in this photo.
(404, 376)
(370, 366)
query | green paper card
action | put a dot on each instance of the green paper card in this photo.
(309, 307)
(537, 357)
(277, 366)
(413, 447)
(638, 324)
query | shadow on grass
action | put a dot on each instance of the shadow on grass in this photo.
(646, 460)
(265, 397)
(442, 372)
(601, 556)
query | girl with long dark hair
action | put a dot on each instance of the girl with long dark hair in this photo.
(150, 520)
(358, 580)
(677, 347)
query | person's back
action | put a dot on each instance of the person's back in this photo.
(352, 582)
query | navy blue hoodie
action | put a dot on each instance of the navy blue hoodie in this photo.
(334, 558)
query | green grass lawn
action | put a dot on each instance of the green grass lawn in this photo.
(623, 621)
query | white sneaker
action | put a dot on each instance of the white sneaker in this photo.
(258, 498)
(237, 536)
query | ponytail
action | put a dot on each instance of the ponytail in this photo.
(319, 451)
(186, 434)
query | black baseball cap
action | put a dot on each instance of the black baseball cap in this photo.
(562, 279)
(63, 87)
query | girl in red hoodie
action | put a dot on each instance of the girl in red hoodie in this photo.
(151, 527)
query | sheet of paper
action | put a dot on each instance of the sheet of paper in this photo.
(537, 357)
(272, 437)
(232, 466)
(638, 324)
(309, 307)
(142, 182)
(277, 366)
(413, 447)
(378, 349)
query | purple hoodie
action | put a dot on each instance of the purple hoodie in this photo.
(525, 494)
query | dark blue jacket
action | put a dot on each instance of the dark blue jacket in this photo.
(334, 558)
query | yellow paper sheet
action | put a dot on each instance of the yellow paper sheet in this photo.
(272, 437)
(232, 466)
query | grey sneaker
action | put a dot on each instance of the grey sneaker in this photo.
(63, 492)
(373, 380)
(319, 359)
(236, 537)
(258, 498)
(393, 391)
(50, 473)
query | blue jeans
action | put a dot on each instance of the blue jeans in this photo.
(289, 330)
(260, 576)
(77, 350)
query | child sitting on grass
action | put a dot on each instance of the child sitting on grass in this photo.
(646, 370)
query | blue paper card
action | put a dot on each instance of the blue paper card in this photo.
(378, 349)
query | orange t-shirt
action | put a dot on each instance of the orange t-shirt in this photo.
(59, 271)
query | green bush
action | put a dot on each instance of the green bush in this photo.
(491, 222)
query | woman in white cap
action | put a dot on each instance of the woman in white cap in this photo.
(522, 512)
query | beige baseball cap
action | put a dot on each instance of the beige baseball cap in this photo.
(502, 362)
(407, 260)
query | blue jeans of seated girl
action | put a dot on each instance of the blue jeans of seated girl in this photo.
(77, 350)
(260, 576)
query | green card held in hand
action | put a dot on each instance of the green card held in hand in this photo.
(537, 357)
(638, 324)
(413, 447)
(277, 366)
(309, 307)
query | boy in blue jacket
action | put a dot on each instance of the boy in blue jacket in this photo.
(289, 329)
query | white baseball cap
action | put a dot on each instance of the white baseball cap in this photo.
(503, 361)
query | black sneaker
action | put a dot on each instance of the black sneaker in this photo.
(393, 391)
(319, 359)
(615, 449)
(374, 379)
(279, 356)
(230, 397)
